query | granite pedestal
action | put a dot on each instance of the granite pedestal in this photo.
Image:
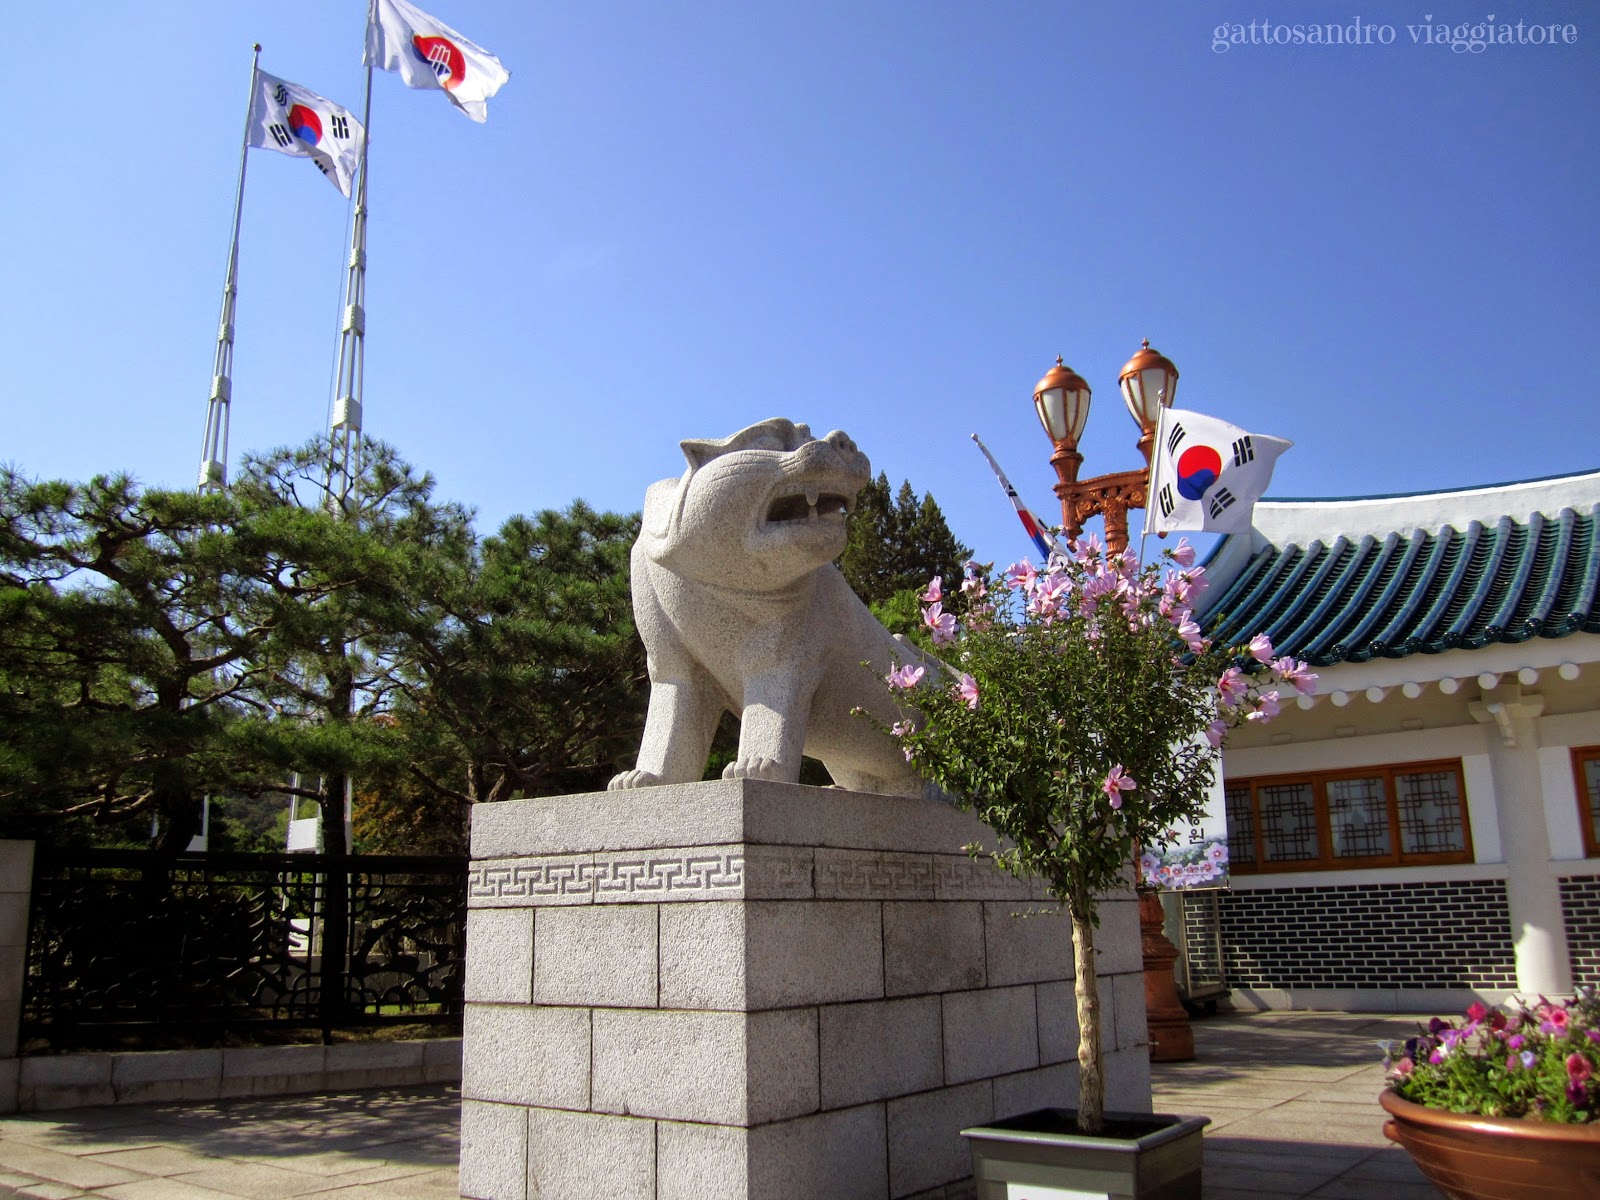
(743, 990)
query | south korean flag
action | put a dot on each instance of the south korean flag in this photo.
(1207, 474)
(296, 121)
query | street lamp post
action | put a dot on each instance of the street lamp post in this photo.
(1148, 382)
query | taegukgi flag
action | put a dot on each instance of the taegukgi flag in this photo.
(429, 54)
(1207, 474)
(296, 121)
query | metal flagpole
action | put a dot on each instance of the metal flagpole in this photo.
(344, 427)
(214, 453)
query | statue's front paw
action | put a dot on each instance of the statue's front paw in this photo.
(633, 779)
(755, 768)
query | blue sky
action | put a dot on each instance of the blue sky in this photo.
(875, 215)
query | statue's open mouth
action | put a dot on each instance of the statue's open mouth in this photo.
(811, 504)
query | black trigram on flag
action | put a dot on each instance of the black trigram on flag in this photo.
(1243, 451)
(280, 134)
(341, 126)
(1221, 501)
(324, 168)
(1175, 439)
(1166, 501)
(280, 94)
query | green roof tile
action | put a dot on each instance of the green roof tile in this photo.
(1417, 592)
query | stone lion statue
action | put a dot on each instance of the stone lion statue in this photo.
(742, 610)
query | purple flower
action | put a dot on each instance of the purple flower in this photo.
(1117, 782)
(1516, 1041)
(1087, 549)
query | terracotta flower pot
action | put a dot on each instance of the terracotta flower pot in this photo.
(1496, 1158)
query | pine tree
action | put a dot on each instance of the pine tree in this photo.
(898, 544)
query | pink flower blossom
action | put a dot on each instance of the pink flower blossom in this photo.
(1555, 1019)
(1260, 648)
(1267, 706)
(940, 623)
(1215, 732)
(900, 729)
(1231, 687)
(1087, 549)
(1294, 672)
(967, 690)
(1190, 633)
(907, 677)
(935, 592)
(1183, 553)
(1117, 782)
(1021, 575)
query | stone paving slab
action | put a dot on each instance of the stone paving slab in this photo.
(1292, 1097)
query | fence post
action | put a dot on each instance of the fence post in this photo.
(16, 890)
(335, 944)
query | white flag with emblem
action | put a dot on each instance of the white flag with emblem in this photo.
(296, 121)
(1207, 474)
(429, 54)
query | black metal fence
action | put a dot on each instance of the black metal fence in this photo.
(130, 944)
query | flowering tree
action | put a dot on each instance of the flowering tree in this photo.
(1081, 718)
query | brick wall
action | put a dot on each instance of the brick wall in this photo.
(1380, 935)
(1580, 911)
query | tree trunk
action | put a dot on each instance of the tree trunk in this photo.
(1091, 1081)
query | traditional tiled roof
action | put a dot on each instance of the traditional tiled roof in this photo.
(1353, 598)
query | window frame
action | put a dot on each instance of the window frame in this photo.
(1580, 756)
(1327, 860)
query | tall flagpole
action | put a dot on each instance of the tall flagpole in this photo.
(344, 431)
(214, 452)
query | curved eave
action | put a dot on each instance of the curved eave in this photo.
(1350, 599)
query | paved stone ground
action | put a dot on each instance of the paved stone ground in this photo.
(381, 1145)
(1292, 1098)
(1293, 1102)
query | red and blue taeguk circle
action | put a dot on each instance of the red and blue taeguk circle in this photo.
(444, 57)
(306, 124)
(1198, 468)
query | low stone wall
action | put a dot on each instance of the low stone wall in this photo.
(138, 1077)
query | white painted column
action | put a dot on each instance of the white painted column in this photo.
(1534, 896)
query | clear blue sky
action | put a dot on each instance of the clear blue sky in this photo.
(876, 215)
